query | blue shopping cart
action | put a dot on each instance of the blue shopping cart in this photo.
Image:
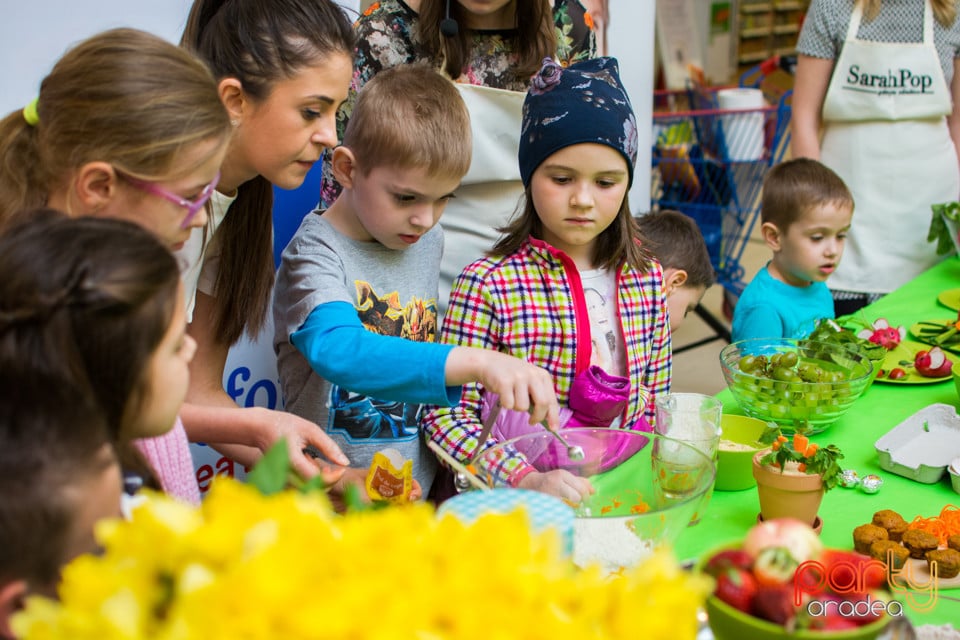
(710, 160)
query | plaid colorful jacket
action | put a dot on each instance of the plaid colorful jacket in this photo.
(531, 304)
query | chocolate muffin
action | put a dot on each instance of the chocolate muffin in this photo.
(948, 562)
(919, 542)
(953, 542)
(892, 521)
(865, 535)
(884, 550)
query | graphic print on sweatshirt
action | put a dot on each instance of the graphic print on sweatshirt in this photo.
(360, 417)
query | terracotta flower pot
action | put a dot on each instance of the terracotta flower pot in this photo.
(788, 493)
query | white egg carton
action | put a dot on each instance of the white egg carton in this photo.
(922, 446)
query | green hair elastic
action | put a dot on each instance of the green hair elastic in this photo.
(30, 113)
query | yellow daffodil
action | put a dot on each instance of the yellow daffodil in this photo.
(286, 566)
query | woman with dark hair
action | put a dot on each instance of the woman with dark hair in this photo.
(283, 69)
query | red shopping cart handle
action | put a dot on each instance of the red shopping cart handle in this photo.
(770, 65)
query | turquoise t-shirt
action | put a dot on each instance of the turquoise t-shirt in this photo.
(769, 308)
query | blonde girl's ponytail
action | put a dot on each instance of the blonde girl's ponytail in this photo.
(22, 183)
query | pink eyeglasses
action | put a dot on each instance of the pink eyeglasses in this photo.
(192, 206)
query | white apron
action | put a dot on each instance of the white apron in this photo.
(491, 191)
(886, 135)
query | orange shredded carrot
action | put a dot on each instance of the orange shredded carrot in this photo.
(944, 525)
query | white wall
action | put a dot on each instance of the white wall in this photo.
(630, 38)
(35, 33)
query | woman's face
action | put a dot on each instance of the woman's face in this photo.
(489, 14)
(158, 214)
(282, 137)
(166, 379)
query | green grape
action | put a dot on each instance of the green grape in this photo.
(808, 372)
(785, 374)
(789, 359)
(748, 364)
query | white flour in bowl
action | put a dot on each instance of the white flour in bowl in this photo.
(608, 542)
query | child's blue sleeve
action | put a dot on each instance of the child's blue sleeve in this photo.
(341, 350)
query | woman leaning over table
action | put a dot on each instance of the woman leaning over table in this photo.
(879, 77)
(282, 68)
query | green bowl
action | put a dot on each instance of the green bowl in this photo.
(728, 623)
(738, 443)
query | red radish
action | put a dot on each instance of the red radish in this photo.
(933, 363)
(896, 373)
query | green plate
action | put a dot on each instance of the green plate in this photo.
(950, 299)
(915, 332)
(906, 350)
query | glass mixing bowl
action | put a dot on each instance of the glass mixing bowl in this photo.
(647, 487)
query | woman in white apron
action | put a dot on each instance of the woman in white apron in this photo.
(878, 76)
(491, 49)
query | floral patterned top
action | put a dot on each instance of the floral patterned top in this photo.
(387, 37)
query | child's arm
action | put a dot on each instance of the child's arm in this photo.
(333, 340)
(341, 350)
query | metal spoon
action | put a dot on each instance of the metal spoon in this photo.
(574, 452)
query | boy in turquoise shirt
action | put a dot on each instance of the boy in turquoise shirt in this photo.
(805, 215)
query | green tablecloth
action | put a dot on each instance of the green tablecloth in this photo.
(730, 514)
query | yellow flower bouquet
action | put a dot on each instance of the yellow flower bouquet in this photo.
(248, 565)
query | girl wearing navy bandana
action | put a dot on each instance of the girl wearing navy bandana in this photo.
(569, 285)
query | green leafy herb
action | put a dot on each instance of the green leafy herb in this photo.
(940, 230)
(839, 332)
(822, 461)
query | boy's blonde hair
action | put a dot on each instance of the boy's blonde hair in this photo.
(410, 116)
(796, 186)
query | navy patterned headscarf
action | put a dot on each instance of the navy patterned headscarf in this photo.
(585, 102)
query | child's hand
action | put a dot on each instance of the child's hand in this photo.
(301, 434)
(521, 385)
(560, 483)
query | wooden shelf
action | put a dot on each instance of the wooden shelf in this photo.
(756, 32)
(766, 29)
(758, 56)
(756, 7)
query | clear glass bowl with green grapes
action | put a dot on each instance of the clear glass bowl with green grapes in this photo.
(802, 385)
